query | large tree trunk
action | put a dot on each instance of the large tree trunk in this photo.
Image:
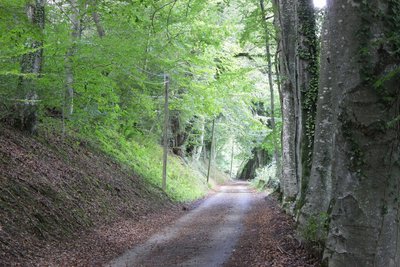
(31, 65)
(299, 71)
(287, 21)
(355, 176)
(318, 197)
(307, 90)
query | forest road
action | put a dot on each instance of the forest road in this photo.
(206, 236)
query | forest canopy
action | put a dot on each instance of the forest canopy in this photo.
(101, 65)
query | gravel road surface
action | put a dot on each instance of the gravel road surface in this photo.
(206, 236)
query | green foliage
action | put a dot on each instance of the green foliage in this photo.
(144, 156)
(309, 52)
(387, 44)
(380, 82)
(117, 79)
(315, 229)
(266, 177)
(15, 30)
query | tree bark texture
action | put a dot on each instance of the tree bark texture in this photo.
(212, 150)
(355, 175)
(31, 67)
(93, 5)
(299, 72)
(165, 132)
(286, 17)
(307, 91)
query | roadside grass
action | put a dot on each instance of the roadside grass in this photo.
(186, 181)
(144, 156)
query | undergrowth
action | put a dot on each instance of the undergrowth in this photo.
(144, 156)
(266, 177)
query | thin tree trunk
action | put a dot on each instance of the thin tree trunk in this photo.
(100, 30)
(270, 82)
(211, 150)
(96, 19)
(146, 51)
(278, 79)
(166, 119)
(69, 70)
(198, 149)
(214, 144)
(232, 156)
(278, 83)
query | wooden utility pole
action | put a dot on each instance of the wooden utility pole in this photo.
(166, 119)
(211, 150)
(233, 146)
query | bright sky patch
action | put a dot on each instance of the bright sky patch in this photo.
(319, 3)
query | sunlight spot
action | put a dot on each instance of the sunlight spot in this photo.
(319, 3)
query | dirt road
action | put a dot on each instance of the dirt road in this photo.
(236, 227)
(205, 236)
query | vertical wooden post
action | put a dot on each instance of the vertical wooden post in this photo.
(165, 141)
(233, 146)
(211, 150)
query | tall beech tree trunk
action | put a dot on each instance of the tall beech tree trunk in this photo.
(31, 67)
(286, 17)
(355, 174)
(307, 88)
(299, 72)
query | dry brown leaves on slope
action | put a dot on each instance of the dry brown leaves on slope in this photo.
(269, 239)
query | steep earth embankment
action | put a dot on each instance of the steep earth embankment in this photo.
(53, 189)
